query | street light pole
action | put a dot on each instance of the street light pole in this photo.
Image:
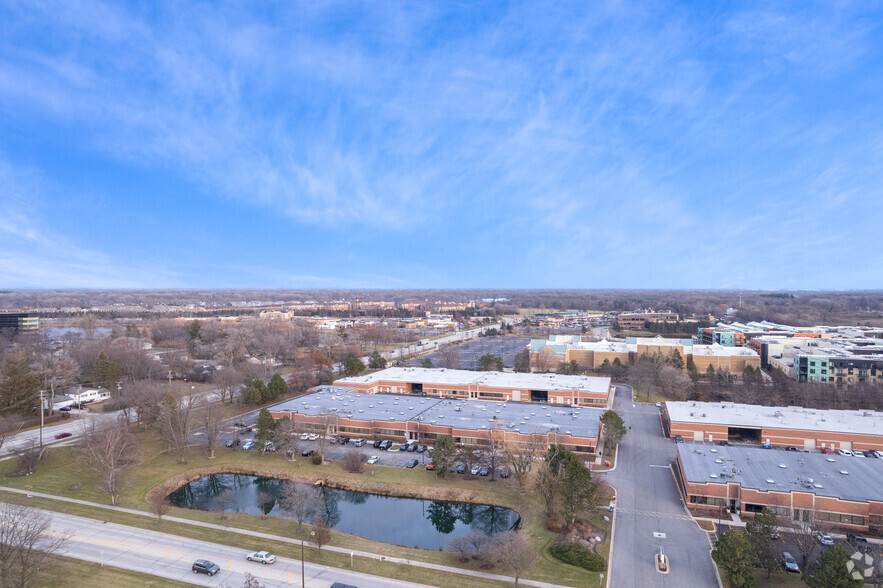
(41, 418)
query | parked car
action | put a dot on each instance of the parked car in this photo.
(861, 543)
(828, 451)
(314, 436)
(475, 469)
(63, 435)
(724, 443)
(248, 445)
(461, 468)
(308, 452)
(245, 430)
(504, 472)
(484, 471)
(373, 459)
(679, 439)
(412, 463)
(264, 557)
(359, 442)
(304, 436)
(385, 445)
(858, 453)
(847, 452)
(270, 446)
(239, 425)
(233, 442)
(790, 449)
(878, 454)
(823, 538)
(421, 448)
(204, 566)
(377, 443)
(477, 453)
(65, 409)
(412, 447)
(789, 564)
(658, 405)
(403, 447)
(430, 466)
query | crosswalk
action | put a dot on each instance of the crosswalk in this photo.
(650, 513)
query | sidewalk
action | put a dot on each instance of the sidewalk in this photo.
(396, 560)
(738, 522)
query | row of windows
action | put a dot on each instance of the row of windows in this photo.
(356, 430)
(836, 517)
(592, 401)
(391, 432)
(711, 500)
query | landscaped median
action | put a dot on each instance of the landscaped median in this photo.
(158, 474)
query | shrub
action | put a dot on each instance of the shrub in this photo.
(317, 460)
(355, 463)
(578, 555)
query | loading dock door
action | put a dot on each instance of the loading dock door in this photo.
(697, 436)
(846, 445)
(809, 444)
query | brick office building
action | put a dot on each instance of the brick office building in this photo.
(493, 386)
(778, 426)
(844, 492)
(338, 410)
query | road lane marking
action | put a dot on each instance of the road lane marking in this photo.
(650, 513)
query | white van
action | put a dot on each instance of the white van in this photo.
(359, 442)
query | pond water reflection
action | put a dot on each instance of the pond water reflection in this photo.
(427, 524)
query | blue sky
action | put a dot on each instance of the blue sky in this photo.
(376, 144)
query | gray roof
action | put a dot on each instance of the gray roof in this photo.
(761, 469)
(524, 417)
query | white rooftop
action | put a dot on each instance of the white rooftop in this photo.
(862, 422)
(722, 351)
(492, 379)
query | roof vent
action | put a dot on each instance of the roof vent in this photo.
(770, 481)
(817, 486)
(718, 460)
(783, 466)
(713, 450)
(844, 472)
(831, 459)
(712, 475)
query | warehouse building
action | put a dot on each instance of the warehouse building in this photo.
(491, 386)
(776, 426)
(337, 410)
(845, 492)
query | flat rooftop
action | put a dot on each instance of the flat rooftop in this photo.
(762, 469)
(512, 380)
(722, 351)
(863, 422)
(522, 417)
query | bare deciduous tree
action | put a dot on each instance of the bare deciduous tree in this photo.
(160, 508)
(108, 449)
(8, 428)
(227, 381)
(287, 437)
(514, 552)
(145, 398)
(176, 422)
(675, 383)
(300, 502)
(521, 456)
(212, 416)
(57, 372)
(25, 543)
(321, 534)
(449, 356)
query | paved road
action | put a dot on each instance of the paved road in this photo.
(170, 556)
(73, 425)
(649, 504)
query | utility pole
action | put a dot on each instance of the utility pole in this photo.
(41, 417)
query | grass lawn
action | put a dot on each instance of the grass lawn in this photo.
(57, 571)
(778, 580)
(58, 475)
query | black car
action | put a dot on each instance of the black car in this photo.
(679, 439)
(412, 463)
(412, 448)
(204, 566)
(308, 452)
(421, 448)
(344, 440)
(724, 443)
(233, 442)
(239, 425)
(377, 443)
(65, 409)
(244, 430)
(860, 543)
(461, 468)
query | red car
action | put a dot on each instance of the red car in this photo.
(63, 435)
(828, 450)
(430, 466)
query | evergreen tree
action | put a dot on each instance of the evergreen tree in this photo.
(522, 361)
(760, 530)
(427, 363)
(443, 452)
(733, 555)
(277, 387)
(831, 570)
(19, 386)
(376, 361)
(614, 429)
(265, 426)
(105, 372)
(353, 366)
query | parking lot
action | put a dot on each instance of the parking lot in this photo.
(471, 351)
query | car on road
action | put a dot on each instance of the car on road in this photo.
(63, 435)
(412, 463)
(430, 466)
(307, 452)
(789, 564)
(484, 471)
(823, 538)
(264, 557)
(475, 469)
(847, 452)
(204, 566)
(373, 459)
(342, 585)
